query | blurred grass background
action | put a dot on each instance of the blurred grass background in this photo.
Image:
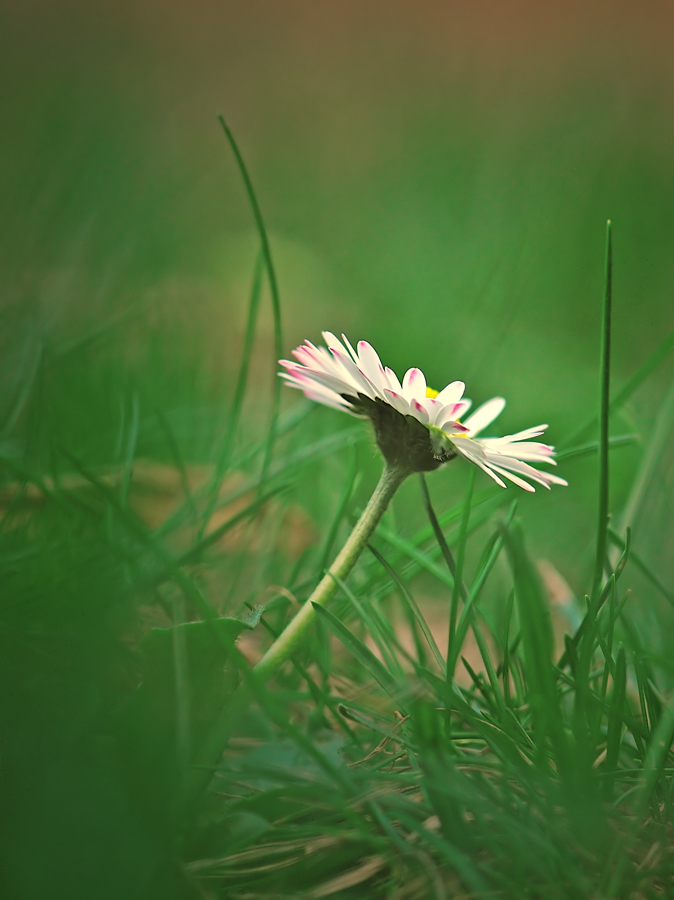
(435, 178)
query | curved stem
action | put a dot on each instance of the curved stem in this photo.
(286, 643)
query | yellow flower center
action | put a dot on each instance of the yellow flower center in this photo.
(431, 393)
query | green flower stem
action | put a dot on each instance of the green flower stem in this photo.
(286, 643)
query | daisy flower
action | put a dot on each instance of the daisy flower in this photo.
(417, 428)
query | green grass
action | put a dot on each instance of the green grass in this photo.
(143, 758)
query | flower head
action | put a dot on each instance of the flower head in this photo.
(417, 428)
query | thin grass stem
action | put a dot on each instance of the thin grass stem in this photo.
(604, 390)
(460, 559)
(275, 296)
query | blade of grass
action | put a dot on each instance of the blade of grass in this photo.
(423, 560)
(620, 440)
(127, 463)
(412, 605)
(493, 550)
(490, 668)
(537, 641)
(362, 653)
(275, 298)
(321, 697)
(451, 854)
(505, 667)
(195, 552)
(376, 632)
(609, 643)
(177, 459)
(437, 531)
(458, 579)
(604, 388)
(614, 725)
(653, 767)
(303, 454)
(589, 621)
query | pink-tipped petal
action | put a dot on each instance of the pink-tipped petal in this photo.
(414, 384)
(362, 384)
(434, 409)
(419, 412)
(462, 407)
(397, 401)
(452, 412)
(453, 427)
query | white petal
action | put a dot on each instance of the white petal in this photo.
(518, 481)
(370, 364)
(452, 393)
(536, 431)
(397, 401)
(502, 463)
(323, 378)
(533, 452)
(484, 415)
(474, 453)
(347, 344)
(394, 384)
(451, 428)
(452, 412)
(318, 393)
(419, 412)
(414, 384)
(333, 342)
(462, 407)
(363, 384)
(434, 409)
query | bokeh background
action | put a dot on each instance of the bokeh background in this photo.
(435, 177)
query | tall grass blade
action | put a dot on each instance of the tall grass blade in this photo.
(275, 297)
(537, 642)
(411, 604)
(604, 389)
(383, 637)
(620, 440)
(615, 722)
(437, 531)
(458, 575)
(362, 653)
